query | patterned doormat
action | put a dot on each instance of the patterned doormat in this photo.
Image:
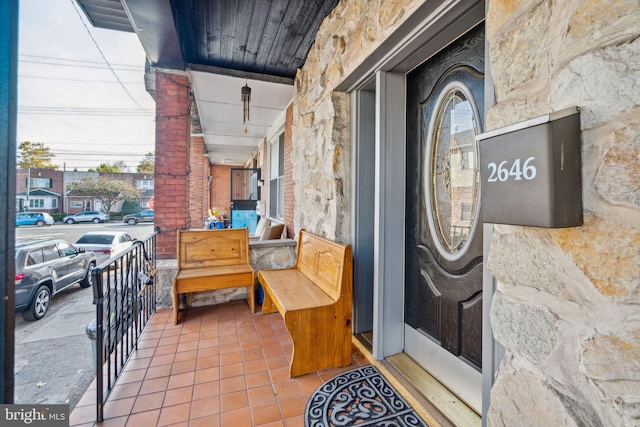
(361, 397)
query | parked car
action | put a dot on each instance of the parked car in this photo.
(146, 215)
(105, 244)
(34, 218)
(45, 267)
(86, 216)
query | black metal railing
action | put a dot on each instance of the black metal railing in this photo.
(124, 293)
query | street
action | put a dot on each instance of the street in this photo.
(53, 356)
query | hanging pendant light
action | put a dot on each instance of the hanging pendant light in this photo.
(246, 98)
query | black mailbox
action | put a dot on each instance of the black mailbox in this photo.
(530, 172)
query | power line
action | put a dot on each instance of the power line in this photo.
(132, 66)
(103, 56)
(25, 76)
(98, 67)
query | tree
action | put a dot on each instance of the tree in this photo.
(35, 155)
(106, 168)
(121, 165)
(107, 191)
(148, 163)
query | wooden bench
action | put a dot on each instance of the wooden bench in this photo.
(212, 259)
(314, 298)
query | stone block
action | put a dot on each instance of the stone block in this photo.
(613, 357)
(522, 398)
(524, 329)
(607, 253)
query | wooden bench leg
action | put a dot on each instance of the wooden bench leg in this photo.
(319, 341)
(251, 296)
(176, 304)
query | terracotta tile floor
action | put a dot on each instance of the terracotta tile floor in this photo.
(221, 366)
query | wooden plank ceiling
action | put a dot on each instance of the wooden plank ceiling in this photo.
(267, 37)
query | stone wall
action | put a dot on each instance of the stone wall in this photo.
(568, 300)
(267, 254)
(321, 135)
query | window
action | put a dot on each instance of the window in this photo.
(40, 183)
(50, 253)
(54, 203)
(144, 185)
(66, 249)
(36, 203)
(276, 178)
(452, 179)
(76, 204)
(35, 257)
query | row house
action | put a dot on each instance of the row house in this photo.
(46, 190)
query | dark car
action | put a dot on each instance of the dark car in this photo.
(45, 267)
(142, 216)
(39, 219)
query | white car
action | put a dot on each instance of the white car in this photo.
(86, 216)
(105, 244)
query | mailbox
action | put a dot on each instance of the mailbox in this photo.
(530, 172)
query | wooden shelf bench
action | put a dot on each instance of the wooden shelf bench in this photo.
(212, 259)
(314, 298)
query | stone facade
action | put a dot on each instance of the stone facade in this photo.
(321, 153)
(567, 303)
(263, 255)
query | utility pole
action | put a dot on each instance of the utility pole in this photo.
(26, 208)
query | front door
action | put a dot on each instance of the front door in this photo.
(443, 274)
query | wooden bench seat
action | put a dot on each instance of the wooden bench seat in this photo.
(314, 298)
(212, 259)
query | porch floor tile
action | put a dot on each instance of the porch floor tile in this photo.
(221, 366)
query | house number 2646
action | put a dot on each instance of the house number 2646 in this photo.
(503, 172)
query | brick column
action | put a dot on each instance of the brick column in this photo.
(289, 196)
(172, 160)
(198, 183)
(221, 187)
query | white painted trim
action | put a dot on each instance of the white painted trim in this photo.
(461, 379)
(389, 224)
(277, 128)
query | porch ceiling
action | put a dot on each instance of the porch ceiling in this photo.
(264, 41)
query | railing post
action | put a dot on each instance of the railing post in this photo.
(125, 316)
(98, 300)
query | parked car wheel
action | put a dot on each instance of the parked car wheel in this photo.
(95, 220)
(40, 224)
(131, 221)
(40, 304)
(70, 221)
(87, 282)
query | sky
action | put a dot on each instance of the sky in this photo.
(84, 100)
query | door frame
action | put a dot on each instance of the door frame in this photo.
(428, 30)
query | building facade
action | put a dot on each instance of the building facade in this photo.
(525, 325)
(47, 190)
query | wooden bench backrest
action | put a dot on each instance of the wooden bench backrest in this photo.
(325, 263)
(212, 248)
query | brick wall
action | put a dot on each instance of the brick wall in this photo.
(57, 185)
(197, 183)
(221, 187)
(172, 161)
(289, 197)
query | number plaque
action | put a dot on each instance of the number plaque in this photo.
(530, 172)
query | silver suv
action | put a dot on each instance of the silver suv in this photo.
(86, 216)
(44, 268)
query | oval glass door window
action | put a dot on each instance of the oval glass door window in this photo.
(452, 181)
